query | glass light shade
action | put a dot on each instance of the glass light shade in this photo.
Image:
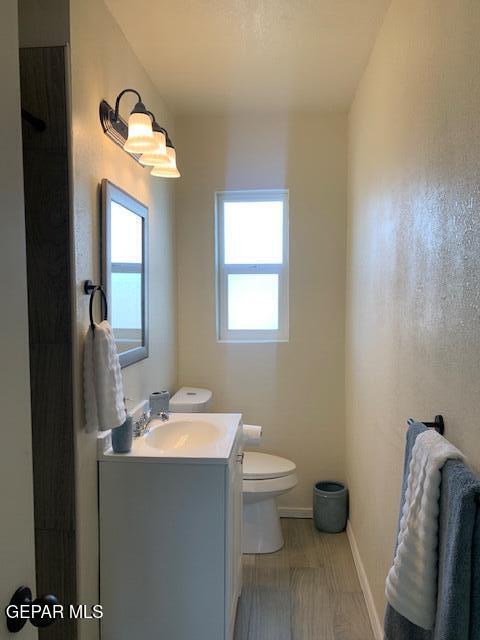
(159, 155)
(172, 157)
(170, 161)
(165, 172)
(140, 134)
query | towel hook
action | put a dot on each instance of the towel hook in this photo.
(91, 289)
(438, 424)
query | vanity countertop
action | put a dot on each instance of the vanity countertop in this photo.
(188, 438)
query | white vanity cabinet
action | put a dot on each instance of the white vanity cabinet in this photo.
(170, 545)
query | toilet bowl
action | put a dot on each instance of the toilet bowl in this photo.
(265, 477)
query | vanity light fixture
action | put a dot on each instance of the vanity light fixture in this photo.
(142, 138)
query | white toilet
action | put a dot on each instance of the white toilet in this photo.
(265, 477)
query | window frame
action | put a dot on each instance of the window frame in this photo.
(223, 270)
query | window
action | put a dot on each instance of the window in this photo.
(252, 265)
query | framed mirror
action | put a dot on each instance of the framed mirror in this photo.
(124, 271)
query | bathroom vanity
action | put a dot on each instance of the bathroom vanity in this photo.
(170, 531)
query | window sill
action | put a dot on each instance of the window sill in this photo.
(270, 341)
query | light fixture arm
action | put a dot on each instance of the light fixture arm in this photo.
(119, 97)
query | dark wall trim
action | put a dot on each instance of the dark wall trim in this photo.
(47, 215)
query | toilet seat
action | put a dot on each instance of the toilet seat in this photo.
(270, 486)
(265, 466)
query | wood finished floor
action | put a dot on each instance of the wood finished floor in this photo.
(308, 590)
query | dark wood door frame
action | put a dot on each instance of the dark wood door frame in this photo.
(48, 242)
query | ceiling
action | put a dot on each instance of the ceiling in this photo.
(222, 55)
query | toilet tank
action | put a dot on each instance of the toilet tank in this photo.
(190, 400)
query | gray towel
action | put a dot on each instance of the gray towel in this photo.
(475, 598)
(458, 600)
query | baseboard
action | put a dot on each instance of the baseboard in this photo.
(295, 512)
(367, 593)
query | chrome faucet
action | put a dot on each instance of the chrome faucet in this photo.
(140, 426)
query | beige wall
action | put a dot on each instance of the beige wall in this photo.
(17, 559)
(295, 390)
(102, 65)
(413, 327)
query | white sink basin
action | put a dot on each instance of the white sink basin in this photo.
(190, 437)
(181, 434)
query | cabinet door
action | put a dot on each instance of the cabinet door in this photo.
(234, 536)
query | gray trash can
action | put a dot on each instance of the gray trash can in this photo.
(330, 506)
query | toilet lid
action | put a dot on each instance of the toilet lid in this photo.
(190, 398)
(260, 466)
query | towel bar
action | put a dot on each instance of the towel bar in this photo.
(438, 424)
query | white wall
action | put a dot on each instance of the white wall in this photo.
(103, 64)
(294, 390)
(413, 325)
(17, 560)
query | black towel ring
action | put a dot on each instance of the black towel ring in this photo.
(91, 289)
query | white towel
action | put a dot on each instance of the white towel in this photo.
(411, 586)
(102, 380)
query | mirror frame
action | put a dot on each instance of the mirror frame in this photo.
(110, 192)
